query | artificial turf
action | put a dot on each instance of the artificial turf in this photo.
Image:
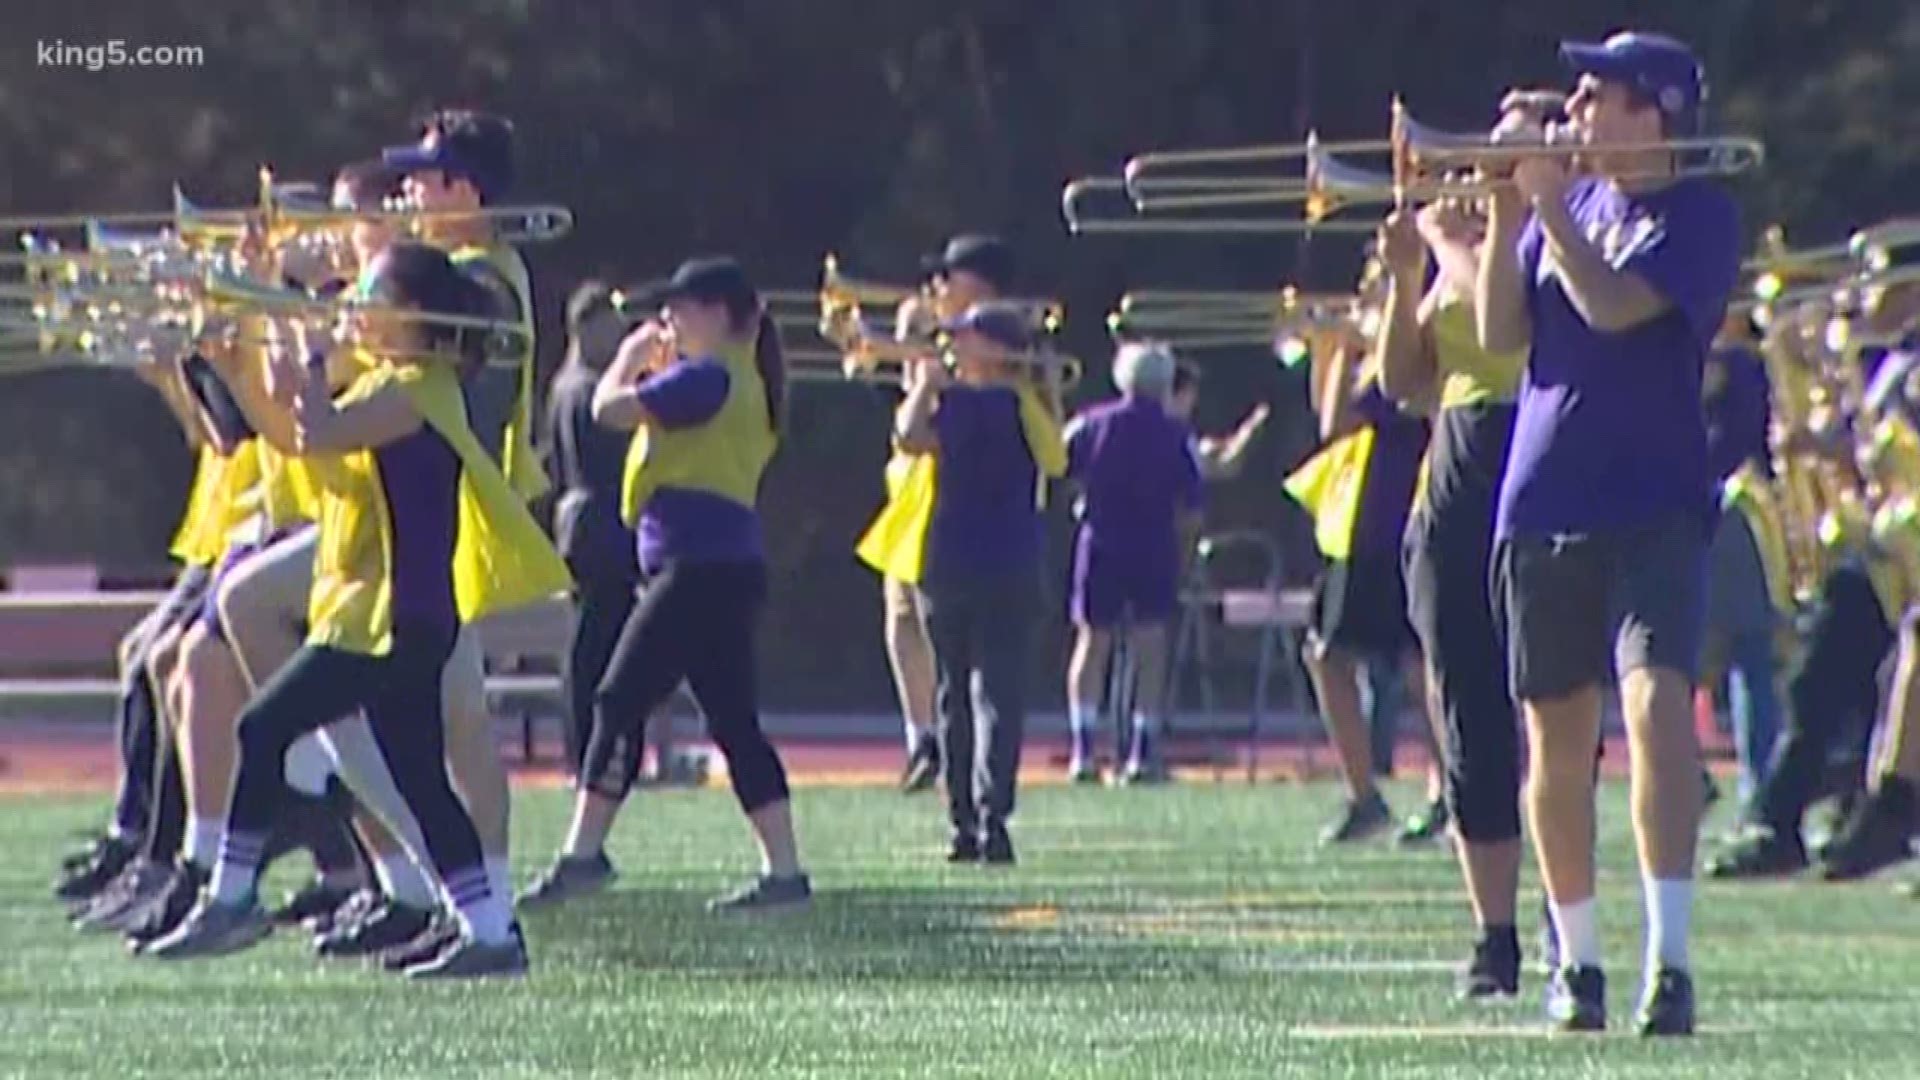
(1193, 930)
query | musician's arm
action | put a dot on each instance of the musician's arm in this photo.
(1500, 292)
(1404, 348)
(616, 401)
(1335, 408)
(1607, 299)
(913, 421)
(271, 417)
(164, 377)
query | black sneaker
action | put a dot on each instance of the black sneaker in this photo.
(1494, 970)
(87, 882)
(1577, 999)
(569, 878)
(1359, 819)
(443, 935)
(996, 847)
(213, 929)
(316, 899)
(766, 894)
(75, 861)
(1760, 851)
(118, 906)
(466, 958)
(923, 765)
(390, 926)
(1429, 824)
(1875, 837)
(963, 848)
(357, 907)
(170, 911)
(1667, 1006)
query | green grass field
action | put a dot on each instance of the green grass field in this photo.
(1189, 931)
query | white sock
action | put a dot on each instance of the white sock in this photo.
(1669, 918)
(403, 881)
(1579, 937)
(499, 875)
(202, 846)
(487, 917)
(237, 873)
(1081, 718)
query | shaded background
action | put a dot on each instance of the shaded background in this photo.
(782, 129)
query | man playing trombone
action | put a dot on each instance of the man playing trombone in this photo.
(1615, 282)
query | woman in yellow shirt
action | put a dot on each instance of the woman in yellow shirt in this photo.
(403, 489)
(1428, 348)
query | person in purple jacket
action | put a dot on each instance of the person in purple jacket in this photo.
(1616, 283)
(1136, 465)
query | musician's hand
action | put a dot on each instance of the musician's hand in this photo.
(1447, 221)
(1542, 180)
(914, 318)
(1400, 248)
(648, 349)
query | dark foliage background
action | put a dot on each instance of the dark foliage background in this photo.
(781, 129)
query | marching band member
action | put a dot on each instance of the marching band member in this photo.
(1615, 283)
(1749, 599)
(87, 872)
(419, 533)
(992, 439)
(704, 394)
(1141, 480)
(587, 461)
(1427, 346)
(1359, 488)
(971, 269)
(1833, 694)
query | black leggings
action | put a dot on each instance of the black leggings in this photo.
(1452, 612)
(1834, 697)
(694, 622)
(400, 693)
(603, 610)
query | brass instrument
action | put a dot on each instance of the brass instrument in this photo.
(1288, 321)
(1419, 163)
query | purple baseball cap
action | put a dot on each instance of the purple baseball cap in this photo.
(1660, 68)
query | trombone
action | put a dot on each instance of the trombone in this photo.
(1288, 321)
(1107, 205)
(1420, 165)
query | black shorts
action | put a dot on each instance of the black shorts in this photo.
(1360, 607)
(1578, 609)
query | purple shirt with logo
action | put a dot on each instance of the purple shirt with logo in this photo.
(985, 522)
(1137, 467)
(1610, 432)
(685, 524)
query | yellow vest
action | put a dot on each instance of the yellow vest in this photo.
(895, 543)
(518, 459)
(501, 559)
(724, 456)
(224, 510)
(1328, 486)
(1471, 373)
(186, 545)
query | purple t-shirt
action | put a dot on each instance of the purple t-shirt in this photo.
(985, 522)
(685, 524)
(1610, 432)
(1737, 413)
(1393, 470)
(1137, 467)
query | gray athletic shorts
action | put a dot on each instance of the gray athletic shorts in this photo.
(1578, 610)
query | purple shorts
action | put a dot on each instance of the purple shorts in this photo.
(1112, 587)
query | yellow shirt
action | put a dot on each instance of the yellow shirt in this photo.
(501, 559)
(186, 545)
(518, 460)
(724, 456)
(1470, 373)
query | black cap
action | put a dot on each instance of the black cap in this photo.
(711, 280)
(988, 257)
(461, 143)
